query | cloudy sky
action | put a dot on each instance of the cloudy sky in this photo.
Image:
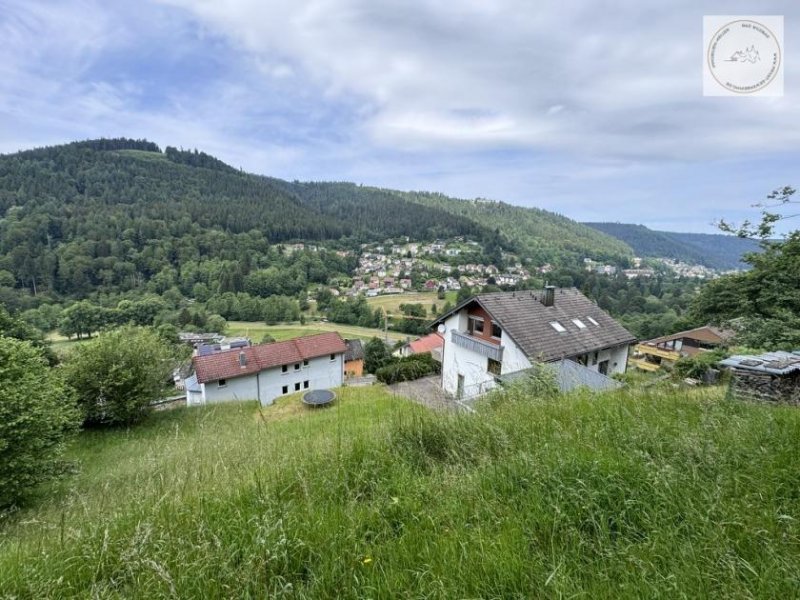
(592, 112)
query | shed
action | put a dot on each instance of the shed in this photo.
(770, 377)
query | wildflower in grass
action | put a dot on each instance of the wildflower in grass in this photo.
(367, 560)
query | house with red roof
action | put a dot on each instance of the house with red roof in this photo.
(432, 343)
(268, 371)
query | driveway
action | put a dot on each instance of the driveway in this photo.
(426, 391)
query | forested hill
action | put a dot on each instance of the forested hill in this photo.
(717, 251)
(109, 214)
(538, 234)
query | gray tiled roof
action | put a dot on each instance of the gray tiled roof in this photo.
(523, 316)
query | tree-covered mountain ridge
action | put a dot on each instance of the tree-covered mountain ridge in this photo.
(717, 251)
(99, 179)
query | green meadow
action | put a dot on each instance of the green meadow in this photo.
(647, 493)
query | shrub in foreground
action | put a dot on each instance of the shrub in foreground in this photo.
(118, 375)
(37, 414)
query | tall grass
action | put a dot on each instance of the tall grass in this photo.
(634, 494)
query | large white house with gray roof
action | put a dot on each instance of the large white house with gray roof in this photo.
(496, 334)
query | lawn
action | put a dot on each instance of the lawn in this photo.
(391, 302)
(256, 330)
(657, 493)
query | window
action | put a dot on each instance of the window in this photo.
(494, 366)
(222, 383)
(296, 366)
(558, 326)
(305, 384)
(594, 358)
(284, 368)
(593, 322)
(285, 389)
(305, 363)
(297, 387)
(496, 331)
(579, 324)
(333, 357)
(475, 325)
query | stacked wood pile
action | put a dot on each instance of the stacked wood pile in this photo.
(766, 387)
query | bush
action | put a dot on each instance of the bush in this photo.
(37, 414)
(376, 355)
(119, 374)
(408, 368)
(696, 366)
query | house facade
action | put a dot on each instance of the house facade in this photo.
(268, 371)
(492, 335)
(354, 358)
(651, 355)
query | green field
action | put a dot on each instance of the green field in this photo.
(391, 303)
(256, 329)
(635, 494)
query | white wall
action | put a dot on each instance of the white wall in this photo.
(616, 356)
(472, 365)
(237, 388)
(321, 373)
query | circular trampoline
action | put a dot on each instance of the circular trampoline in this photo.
(318, 398)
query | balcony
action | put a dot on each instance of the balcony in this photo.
(477, 345)
(662, 353)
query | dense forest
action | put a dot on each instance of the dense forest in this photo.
(716, 251)
(539, 235)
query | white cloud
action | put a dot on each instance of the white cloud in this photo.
(593, 80)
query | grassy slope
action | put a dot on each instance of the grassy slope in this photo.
(256, 329)
(619, 496)
(392, 302)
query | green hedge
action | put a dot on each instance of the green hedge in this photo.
(408, 368)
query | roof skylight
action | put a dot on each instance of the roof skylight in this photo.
(558, 326)
(579, 324)
(593, 322)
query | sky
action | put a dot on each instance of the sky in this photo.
(592, 110)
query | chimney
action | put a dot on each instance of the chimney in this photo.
(242, 359)
(549, 298)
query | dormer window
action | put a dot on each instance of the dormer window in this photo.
(558, 326)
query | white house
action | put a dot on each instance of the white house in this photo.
(267, 371)
(492, 335)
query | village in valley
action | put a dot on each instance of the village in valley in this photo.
(397, 267)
